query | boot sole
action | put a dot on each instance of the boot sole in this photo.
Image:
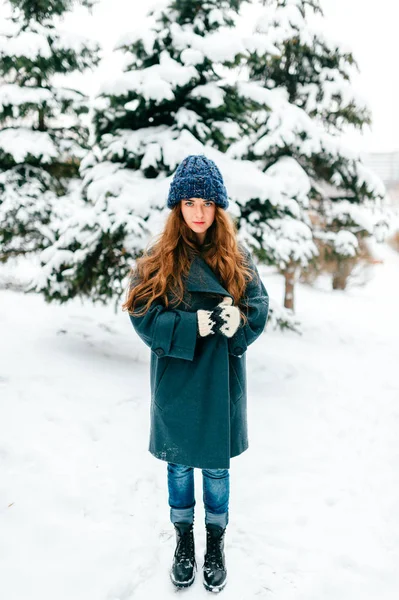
(214, 588)
(182, 584)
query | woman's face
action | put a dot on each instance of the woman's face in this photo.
(199, 215)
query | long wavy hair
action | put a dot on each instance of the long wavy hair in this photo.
(159, 272)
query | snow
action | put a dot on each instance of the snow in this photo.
(212, 92)
(189, 56)
(186, 118)
(14, 95)
(285, 239)
(346, 243)
(65, 133)
(369, 177)
(123, 200)
(153, 83)
(346, 212)
(285, 124)
(229, 129)
(218, 46)
(10, 93)
(22, 141)
(294, 181)
(286, 22)
(27, 43)
(313, 505)
(223, 45)
(331, 96)
(34, 42)
(242, 178)
(144, 33)
(216, 16)
(70, 41)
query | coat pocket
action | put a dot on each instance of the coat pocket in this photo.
(236, 389)
(165, 362)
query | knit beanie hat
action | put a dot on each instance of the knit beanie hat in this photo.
(197, 177)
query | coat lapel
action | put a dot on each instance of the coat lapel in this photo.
(201, 278)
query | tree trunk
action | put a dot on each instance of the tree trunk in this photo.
(340, 277)
(289, 276)
(40, 120)
(41, 126)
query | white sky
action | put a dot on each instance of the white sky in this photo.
(369, 28)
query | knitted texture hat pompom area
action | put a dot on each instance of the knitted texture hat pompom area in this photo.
(197, 177)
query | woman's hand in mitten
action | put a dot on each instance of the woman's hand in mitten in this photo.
(224, 318)
(229, 317)
(206, 324)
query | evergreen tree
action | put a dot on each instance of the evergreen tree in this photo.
(312, 75)
(177, 95)
(42, 136)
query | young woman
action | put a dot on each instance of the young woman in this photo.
(196, 299)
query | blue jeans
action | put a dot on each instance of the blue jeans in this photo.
(216, 490)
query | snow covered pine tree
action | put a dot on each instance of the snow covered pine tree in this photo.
(42, 138)
(177, 95)
(297, 142)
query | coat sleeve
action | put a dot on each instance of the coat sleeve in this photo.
(167, 332)
(256, 299)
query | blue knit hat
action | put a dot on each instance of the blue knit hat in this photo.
(197, 177)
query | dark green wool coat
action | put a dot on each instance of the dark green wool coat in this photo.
(198, 411)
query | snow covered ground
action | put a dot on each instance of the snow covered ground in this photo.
(314, 501)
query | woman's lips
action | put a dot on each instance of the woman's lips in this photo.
(198, 222)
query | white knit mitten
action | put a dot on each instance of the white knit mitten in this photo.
(205, 322)
(225, 319)
(230, 315)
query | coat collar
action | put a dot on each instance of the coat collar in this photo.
(201, 278)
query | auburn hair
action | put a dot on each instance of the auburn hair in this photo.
(159, 272)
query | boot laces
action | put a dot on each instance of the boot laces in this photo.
(213, 551)
(185, 546)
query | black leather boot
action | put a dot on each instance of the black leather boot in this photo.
(215, 574)
(182, 572)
